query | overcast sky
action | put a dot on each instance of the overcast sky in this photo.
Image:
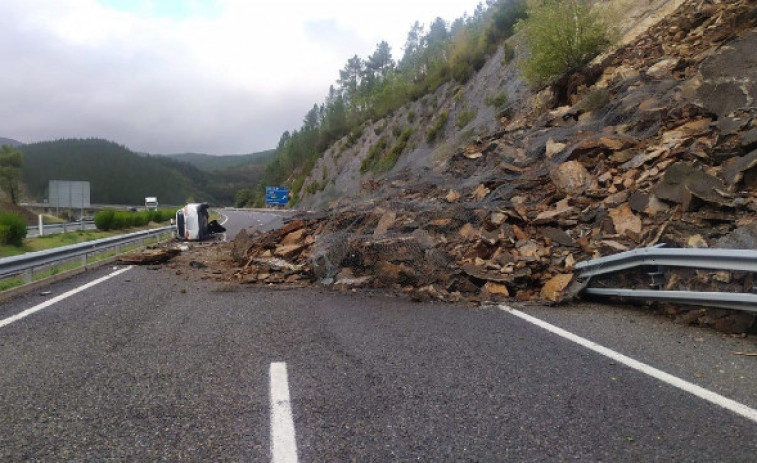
(171, 76)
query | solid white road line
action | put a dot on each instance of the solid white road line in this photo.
(49, 302)
(702, 393)
(283, 443)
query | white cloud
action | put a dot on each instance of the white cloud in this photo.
(229, 82)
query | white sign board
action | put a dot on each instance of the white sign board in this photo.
(63, 193)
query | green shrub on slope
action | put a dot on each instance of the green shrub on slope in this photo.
(562, 35)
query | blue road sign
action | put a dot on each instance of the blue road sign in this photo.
(276, 195)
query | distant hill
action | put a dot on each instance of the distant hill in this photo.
(10, 141)
(117, 175)
(210, 163)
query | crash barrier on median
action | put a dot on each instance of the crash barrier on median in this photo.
(61, 227)
(28, 263)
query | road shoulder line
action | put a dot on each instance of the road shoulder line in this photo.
(691, 388)
(56, 299)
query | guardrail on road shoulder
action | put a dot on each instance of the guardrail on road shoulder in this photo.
(25, 264)
(743, 260)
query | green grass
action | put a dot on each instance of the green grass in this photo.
(498, 101)
(437, 127)
(9, 283)
(72, 264)
(380, 160)
(57, 240)
(465, 117)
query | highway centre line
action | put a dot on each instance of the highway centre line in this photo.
(56, 299)
(283, 442)
(691, 388)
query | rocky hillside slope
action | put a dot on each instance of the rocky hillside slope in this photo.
(654, 143)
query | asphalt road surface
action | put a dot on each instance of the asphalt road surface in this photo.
(149, 365)
(250, 219)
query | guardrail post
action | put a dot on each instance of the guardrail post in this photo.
(40, 225)
(29, 275)
(84, 260)
(64, 227)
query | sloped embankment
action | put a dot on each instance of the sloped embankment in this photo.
(657, 144)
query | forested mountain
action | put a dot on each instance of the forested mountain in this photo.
(119, 176)
(10, 141)
(211, 163)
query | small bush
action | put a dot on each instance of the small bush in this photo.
(379, 159)
(243, 197)
(104, 220)
(465, 117)
(595, 100)
(508, 54)
(411, 116)
(374, 154)
(390, 159)
(563, 35)
(316, 187)
(498, 101)
(297, 184)
(354, 135)
(441, 121)
(12, 229)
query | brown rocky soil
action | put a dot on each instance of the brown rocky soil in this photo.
(655, 144)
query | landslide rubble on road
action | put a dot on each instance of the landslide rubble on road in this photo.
(655, 144)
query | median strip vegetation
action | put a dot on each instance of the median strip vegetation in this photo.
(119, 220)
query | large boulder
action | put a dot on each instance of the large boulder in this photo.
(729, 77)
(571, 178)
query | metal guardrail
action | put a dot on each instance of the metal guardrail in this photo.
(714, 259)
(26, 263)
(744, 260)
(738, 301)
(61, 226)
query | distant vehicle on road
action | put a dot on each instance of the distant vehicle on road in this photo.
(151, 203)
(193, 224)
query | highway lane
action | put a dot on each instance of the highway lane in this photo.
(251, 219)
(147, 366)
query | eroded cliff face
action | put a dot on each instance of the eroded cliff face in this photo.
(655, 143)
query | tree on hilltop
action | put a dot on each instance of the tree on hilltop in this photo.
(11, 161)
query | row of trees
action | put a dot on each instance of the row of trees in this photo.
(371, 88)
(562, 35)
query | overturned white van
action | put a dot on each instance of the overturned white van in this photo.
(192, 223)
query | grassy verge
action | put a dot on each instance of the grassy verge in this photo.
(65, 266)
(53, 241)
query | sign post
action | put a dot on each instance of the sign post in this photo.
(63, 193)
(276, 196)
